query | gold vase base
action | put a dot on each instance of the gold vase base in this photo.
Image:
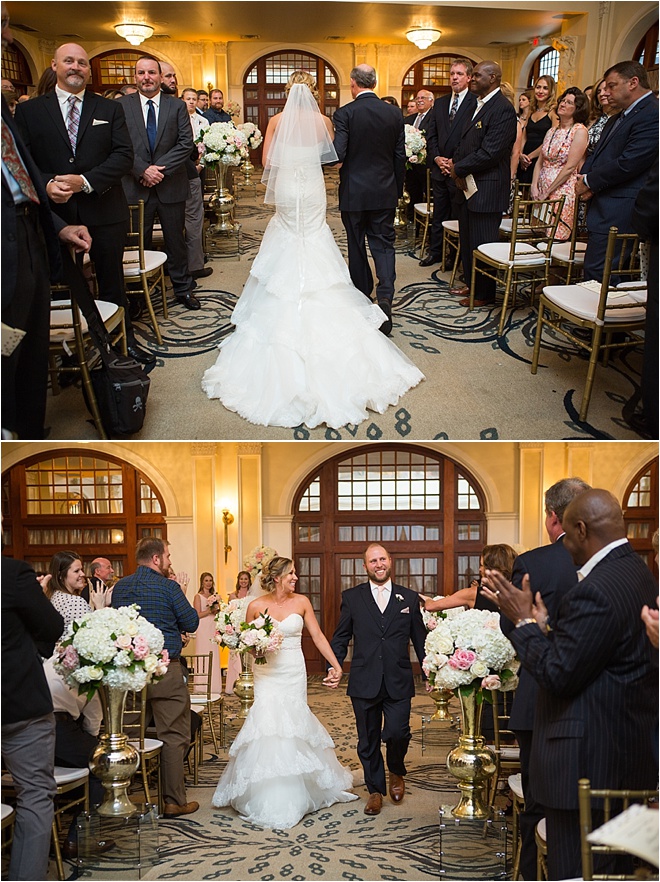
(442, 714)
(117, 806)
(471, 806)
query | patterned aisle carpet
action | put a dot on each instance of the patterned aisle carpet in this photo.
(338, 843)
(478, 384)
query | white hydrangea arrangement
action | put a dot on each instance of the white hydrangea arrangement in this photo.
(260, 636)
(466, 648)
(256, 560)
(252, 134)
(415, 146)
(223, 142)
(112, 647)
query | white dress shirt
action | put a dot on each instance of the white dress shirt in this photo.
(69, 701)
(482, 101)
(145, 109)
(585, 569)
(63, 100)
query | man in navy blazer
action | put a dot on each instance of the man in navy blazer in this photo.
(485, 153)
(382, 618)
(551, 571)
(616, 171)
(448, 117)
(370, 144)
(597, 709)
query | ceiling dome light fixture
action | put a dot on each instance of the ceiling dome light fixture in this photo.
(134, 33)
(423, 37)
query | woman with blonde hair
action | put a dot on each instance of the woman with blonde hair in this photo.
(282, 764)
(541, 119)
(306, 347)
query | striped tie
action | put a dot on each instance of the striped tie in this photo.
(73, 121)
(454, 108)
(14, 163)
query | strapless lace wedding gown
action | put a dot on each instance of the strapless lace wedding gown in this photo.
(306, 348)
(282, 764)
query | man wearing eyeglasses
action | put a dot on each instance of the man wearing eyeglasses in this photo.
(416, 176)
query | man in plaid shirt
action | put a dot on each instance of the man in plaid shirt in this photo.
(164, 604)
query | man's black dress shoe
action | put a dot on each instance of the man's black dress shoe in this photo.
(386, 327)
(202, 273)
(429, 260)
(189, 301)
(141, 355)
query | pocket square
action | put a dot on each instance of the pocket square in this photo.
(100, 122)
(406, 610)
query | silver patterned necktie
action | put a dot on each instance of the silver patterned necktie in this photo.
(454, 108)
(73, 121)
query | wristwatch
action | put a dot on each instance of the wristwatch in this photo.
(85, 188)
(521, 622)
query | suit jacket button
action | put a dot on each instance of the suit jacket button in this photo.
(73, 159)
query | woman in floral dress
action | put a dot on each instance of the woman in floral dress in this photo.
(561, 156)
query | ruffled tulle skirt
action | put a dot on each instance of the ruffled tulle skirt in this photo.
(306, 349)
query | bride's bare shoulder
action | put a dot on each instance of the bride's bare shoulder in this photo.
(329, 126)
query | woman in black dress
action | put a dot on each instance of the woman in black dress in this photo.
(540, 121)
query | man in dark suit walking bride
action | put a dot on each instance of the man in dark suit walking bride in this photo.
(370, 144)
(382, 618)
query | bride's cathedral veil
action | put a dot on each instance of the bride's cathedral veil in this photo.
(300, 139)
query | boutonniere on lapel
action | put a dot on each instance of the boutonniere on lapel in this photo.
(399, 597)
(478, 125)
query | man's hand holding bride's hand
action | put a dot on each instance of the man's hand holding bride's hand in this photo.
(333, 678)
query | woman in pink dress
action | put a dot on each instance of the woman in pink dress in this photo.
(563, 150)
(243, 583)
(206, 604)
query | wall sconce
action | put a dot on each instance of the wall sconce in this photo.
(134, 33)
(423, 37)
(227, 519)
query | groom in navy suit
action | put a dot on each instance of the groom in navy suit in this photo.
(618, 168)
(382, 618)
(597, 709)
(370, 144)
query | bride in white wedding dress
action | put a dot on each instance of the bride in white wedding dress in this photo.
(306, 348)
(282, 764)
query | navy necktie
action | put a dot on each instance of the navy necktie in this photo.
(152, 128)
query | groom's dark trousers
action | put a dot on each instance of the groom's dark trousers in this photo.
(380, 683)
(370, 144)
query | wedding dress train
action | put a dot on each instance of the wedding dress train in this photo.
(282, 764)
(306, 349)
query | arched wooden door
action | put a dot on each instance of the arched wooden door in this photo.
(427, 510)
(640, 513)
(263, 89)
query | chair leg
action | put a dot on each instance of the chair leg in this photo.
(145, 779)
(58, 851)
(212, 728)
(591, 374)
(507, 293)
(537, 338)
(91, 397)
(454, 271)
(162, 288)
(150, 309)
(425, 234)
(473, 280)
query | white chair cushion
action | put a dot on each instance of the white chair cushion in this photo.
(451, 226)
(421, 208)
(202, 699)
(67, 776)
(61, 318)
(562, 251)
(507, 226)
(540, 829)
(510, 753)
(152, 260)
(583, 303)
(526, 255)
(149, 744)
(515, 784)
(6, 810)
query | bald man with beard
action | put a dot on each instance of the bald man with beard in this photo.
(598, 698)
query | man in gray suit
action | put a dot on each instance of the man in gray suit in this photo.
(162, 142)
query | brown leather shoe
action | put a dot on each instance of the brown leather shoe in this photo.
(172, 810)
(397, 787)
(374, 804)
(466, 302)
(460, 292)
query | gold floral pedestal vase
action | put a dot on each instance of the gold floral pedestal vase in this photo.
(471, 761)
(244, 687)
(247, 168)
(401, 215)
(441, 697)
(115, 761)
(222, 202)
